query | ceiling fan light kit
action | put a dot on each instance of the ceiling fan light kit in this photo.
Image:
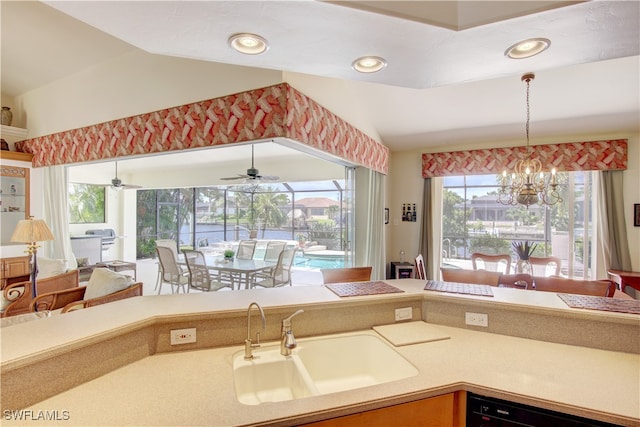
(116, 183)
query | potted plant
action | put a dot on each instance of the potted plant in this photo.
(228, 255)
(524, 250)
(301, 240)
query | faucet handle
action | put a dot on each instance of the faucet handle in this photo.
(287, 322)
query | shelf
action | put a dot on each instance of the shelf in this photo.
(14, 155)
(13, 133)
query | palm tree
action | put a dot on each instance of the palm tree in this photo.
(267, 209)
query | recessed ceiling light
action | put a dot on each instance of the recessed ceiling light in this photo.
(369, 64)
(247, 43)
(527, 48)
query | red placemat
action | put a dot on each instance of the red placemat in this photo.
(362, 288)
(459, 288)
(601, 303)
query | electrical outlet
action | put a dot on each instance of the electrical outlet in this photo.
(476, 319)
(404, 313)
(183, 336)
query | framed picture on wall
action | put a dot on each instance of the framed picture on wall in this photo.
(636, 215)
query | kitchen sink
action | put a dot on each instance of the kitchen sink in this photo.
(317, 366)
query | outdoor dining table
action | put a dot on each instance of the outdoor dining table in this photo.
(244, 268)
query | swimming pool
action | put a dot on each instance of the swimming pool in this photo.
(301, 261)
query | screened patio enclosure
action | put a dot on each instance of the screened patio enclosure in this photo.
(307, 214)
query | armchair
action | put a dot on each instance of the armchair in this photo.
(17, 297)
(73, 299)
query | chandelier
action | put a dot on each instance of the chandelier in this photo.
(528, 184)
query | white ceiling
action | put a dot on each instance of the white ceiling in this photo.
(447, 81)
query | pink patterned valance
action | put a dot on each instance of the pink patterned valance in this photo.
(574, 156)
(271, 112)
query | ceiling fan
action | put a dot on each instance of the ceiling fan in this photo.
(118, 184)
(252, 174)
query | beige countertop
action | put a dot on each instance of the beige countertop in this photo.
(196, 387)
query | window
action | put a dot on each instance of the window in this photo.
(473, 221)
(86, 203)
(208, 216)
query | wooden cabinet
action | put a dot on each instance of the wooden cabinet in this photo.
(14, 270)
(440, 411)
(14, 199)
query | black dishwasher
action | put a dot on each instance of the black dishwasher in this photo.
(490, 412)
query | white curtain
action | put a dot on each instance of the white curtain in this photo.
(371, 242)
(612, 240)
(431, 226)
(56, 214)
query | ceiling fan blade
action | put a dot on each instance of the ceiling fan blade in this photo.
(231, 178)
(269, 177)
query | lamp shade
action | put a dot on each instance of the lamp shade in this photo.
(31, 230)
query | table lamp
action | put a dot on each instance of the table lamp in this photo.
(31, 231)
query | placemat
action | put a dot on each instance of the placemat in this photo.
(459, 288)
(601, 303)
(362, 288)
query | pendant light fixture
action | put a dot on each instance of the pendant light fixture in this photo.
(528, 184)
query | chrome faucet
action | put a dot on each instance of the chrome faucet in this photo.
(248, 345)
(288, 341)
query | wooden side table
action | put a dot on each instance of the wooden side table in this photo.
(118, 266)
(625, 278)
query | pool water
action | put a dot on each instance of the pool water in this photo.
(301, 261)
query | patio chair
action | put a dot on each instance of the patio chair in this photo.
(246, 248)
(274, 248)
(170, 271)
(501, 263)
(281, 274)
(200, 276)
(171, 244)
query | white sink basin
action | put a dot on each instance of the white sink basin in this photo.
(317, 366)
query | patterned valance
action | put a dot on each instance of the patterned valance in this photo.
(271, 112)
(573, 156)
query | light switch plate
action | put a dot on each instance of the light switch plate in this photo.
(405, 313)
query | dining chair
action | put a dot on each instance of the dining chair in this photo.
(200, 276)
(171, 244)
(274, 248)
(600, 288)
(280, 275)
(171, 273)
(477, 277)
(421, 272)
(345, 275)
(501, 263)
(545, 266)
(246, 248)
(518, 280)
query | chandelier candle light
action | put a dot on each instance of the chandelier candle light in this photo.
(528, 184)
(31, 231)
